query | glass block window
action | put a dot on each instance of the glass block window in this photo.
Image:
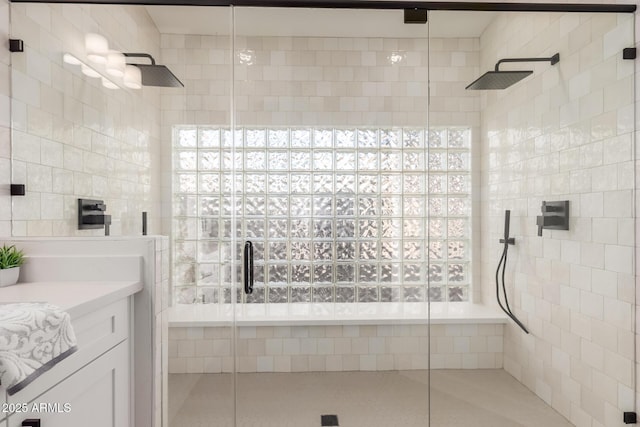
(335, 215)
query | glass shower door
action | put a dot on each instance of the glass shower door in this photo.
(330, 119)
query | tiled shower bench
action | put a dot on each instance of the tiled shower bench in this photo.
(334, 337)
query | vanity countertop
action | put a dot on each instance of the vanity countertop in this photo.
(76, 298)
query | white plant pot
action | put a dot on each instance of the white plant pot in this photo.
(9, 276)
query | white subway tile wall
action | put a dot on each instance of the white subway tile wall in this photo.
(565, 134)
(336, 348)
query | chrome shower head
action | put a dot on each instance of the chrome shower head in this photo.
(497, 79)
(153, 74)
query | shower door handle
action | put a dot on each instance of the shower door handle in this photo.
(248, 267)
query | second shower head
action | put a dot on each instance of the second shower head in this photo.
(493, 80)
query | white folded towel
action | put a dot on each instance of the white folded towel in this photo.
(33, 338)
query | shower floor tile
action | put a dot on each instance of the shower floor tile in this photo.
(479, 398)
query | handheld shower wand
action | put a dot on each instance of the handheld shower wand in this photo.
(503, 263)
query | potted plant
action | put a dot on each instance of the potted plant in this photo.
(10, 261)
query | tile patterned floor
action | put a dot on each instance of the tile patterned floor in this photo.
(479, 398)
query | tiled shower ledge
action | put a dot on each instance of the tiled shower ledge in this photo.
(198, 315)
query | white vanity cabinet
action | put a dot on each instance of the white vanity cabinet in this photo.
(90, 387)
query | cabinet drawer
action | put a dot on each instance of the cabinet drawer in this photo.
(96, 332)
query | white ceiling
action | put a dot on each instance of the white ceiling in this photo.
(250, 21)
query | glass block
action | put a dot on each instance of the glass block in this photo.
(186, 183)
(368, 250)
(386, 273)
(345, 138)
(322, 251)
(227, 139)
(435, 293)
(255, 228)
(279, 183)
(436, 183)
(413, 160)
(437, 161)
(300, 206)
(437, 138)
(209, 137)
(457, 272)
(391, 206)
(259, 251)
(278, 274)
(456, 250)
(412, 138)
(345, 161)
(300, 273)
(413, 206)
(391, 161)
(459, 138)
(184, 274)
(258, 274)
(391, 228)
(435, 273)
(256, 138)
(458, 183)
(322, 294)
(185, 205)
(278, 294)
(413, 184)
(390, 138)
(184, 251)
(458, 228)
(412, 250)
(368, 160)
(322, 183)
(412, 273)
(257, 297)
(231, 184)
(300, 294)
(206, 295)
(345, 273)
(367, 273)
(225, 295)
(187, 137)
(254, 205)
(391, 184)
(345, 184)
(278, 206)
(279, 138)
(436, 229)
(278, 228)
(323, 228)
(185, 294)
(209, 160)
(345, 206)
(345, 250)
(323, 160)
(300, 183)
(208, 251)
(368, 206)
(368, 228)
(323, 273)
(278, 251)
(437, 206)
(232, 161)
(345, 228)
(458, 293)
(300, 229)
(390, 249)
(458, 161)
(345, 294)
(459, 206)
(322, 138)
(390, 294)
(255, 160)
(278, 160)
(435, 250)
(255, 183)
(209, 183)
(301, 251)
(367, 138)
(323, 206)
(185, 229)
(209, 228)
(300, 160)
(185, 160)
(413, 293)
(300, 138)
(412, 228)
(208, 274)
(368, 183)
(367, 293)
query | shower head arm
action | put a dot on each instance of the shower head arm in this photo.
(554, 60)
(140, 55)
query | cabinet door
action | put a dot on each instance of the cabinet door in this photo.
(96, 395)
